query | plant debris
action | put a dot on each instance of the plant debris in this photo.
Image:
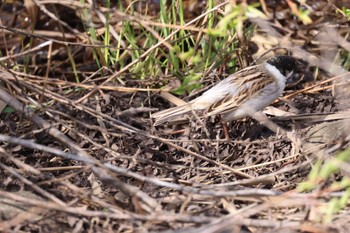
(79, 151)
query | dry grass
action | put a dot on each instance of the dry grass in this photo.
(79, 151)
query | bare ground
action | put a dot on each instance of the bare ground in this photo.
(104, 167)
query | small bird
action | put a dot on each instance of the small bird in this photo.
(239, 95)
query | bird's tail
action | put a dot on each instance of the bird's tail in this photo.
(171, 114)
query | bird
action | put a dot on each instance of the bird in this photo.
(241, 94)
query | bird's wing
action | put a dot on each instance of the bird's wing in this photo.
(239, 90)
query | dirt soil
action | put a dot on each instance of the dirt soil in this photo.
(76, 158)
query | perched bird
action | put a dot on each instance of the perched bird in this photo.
(239, 95)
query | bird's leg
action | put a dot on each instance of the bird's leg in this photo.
(224, 126)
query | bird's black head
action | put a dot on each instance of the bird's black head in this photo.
(285, 64)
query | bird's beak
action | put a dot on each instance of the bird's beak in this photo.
(289, 74)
